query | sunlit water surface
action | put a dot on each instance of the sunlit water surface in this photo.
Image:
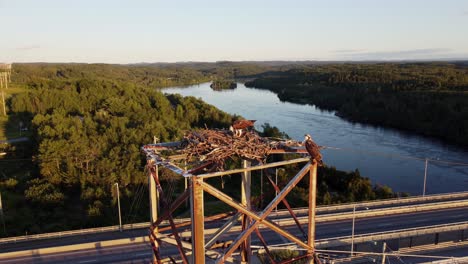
(384, 155)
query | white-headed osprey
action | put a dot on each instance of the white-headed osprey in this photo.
(313, 149)
(239, 125)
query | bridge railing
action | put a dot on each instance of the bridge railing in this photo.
(378, 236)
(399, 233)
(72, 233)
(361, 214)
(85, 231)
(392, 201)
(392, 210)
(337, 216)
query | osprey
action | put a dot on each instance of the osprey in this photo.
(239, 125)
(313, 149)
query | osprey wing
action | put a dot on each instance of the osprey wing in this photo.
(313, 150)
(241, 124)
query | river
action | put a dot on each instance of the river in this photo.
(387, 156)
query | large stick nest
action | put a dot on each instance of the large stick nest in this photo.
(214, 147)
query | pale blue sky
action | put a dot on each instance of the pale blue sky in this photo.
(155, 31)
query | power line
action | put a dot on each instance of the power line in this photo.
(385, 154)
(378, 153)
(398, 258)
(397, 254)
(393, 155)
(135, 203)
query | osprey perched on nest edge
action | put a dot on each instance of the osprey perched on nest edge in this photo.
(313, 149)
(239, 125)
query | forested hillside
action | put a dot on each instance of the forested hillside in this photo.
(150, 76)
(427, 98)
(87, 124)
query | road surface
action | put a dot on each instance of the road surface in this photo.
(141, 253)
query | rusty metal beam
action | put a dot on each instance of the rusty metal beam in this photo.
(262, 219)
(162, 146)
(317, 259)
(196, 169)
(177, 157)
(289, 150)
(171, 220)
(312, 205)
(187, 246)
(197, 214)
(265, 246)
(178, 202)
(169, 165)
(156, 159)
(288, 207)
(152, 174)
(250, 220)
(265, 222)
(153, 194)
(154, 245)
(295, 259)
(258, 167)
(189, 222)
(259, 219)
(223, 229)
(170, 240)
(245, 200)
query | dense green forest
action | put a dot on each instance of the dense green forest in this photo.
(427, 98)
(86, 125)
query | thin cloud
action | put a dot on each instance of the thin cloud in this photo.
(465, 13)
(30, 47)
(409, 52)
(399, 54)
(348, 51)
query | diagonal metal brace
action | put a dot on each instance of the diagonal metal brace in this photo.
(265, 246)
(285, 202)
(257, 220)
(223, 229)
(171, 220)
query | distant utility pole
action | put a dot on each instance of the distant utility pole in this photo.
(383, 252)
(352, 230)
(9, 72)
(261, 189)
(276, 191)
(276, 183)
(1, 214)
(425, 177)
(118, 204)
(3, 83)
(185, 183)
(3, 102)
(5, 77)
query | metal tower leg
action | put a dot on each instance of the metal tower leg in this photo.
(312, 200)
(197, 211)
(245, 200)
(153, 197)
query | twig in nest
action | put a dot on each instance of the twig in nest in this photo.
(216, 146)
